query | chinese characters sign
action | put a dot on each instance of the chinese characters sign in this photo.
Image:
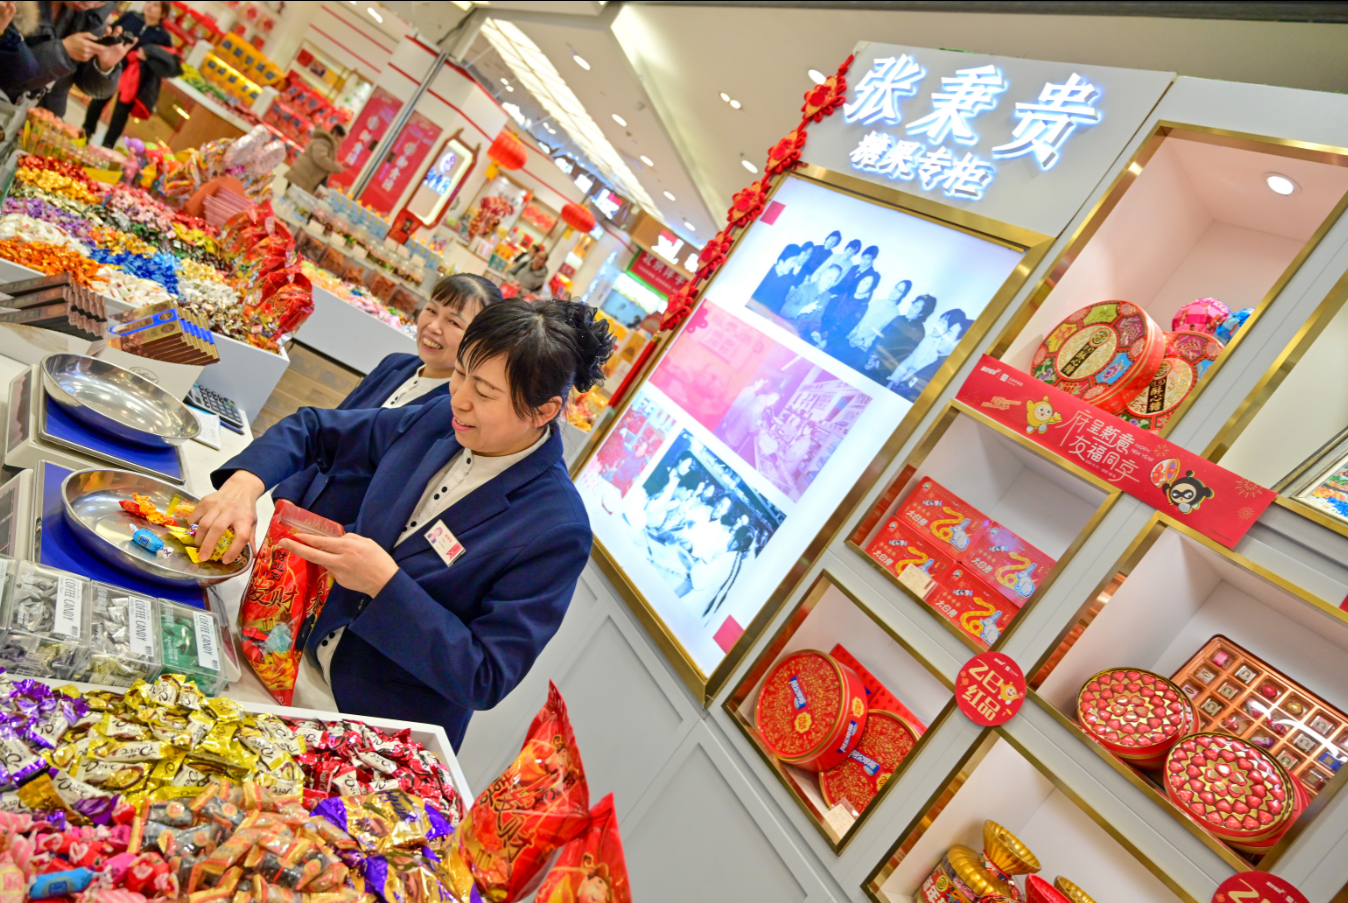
(403, 160)
(365, 134)
(1044, 126)
(1257, 887)
(990, 689)
(1173, 480)
(657, 274)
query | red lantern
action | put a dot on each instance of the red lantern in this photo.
(507, 151)
(578, 217)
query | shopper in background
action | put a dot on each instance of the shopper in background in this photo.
(145, 67)
(471, 535)
(400, 380)
(318, 161)
(531, 271)
(64, 43)
(18, 66)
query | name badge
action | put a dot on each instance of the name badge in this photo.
(446, 546)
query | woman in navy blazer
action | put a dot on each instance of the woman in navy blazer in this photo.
(443, 599)
(401, 380)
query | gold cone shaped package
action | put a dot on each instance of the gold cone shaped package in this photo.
(1071, 891)
(1006, 851)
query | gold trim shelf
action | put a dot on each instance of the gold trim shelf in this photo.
(1045, 501)
(1191, 216)
(1172, 593)
(998, 782)
(829, 615)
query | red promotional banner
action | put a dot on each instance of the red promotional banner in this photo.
(365, 133)
(402, 162)
(657, 274)
(990, 689)
(1173, 480)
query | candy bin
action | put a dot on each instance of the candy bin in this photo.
(190, 639)
(45, 621)
(1136, 715)
(124, 643)
(811, 710)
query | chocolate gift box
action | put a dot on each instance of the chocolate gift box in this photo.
(1104, 353)
(887, 740)
(1136, 715)
(1235, 691)
(811, 711)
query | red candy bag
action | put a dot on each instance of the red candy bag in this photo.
(285, 597)
(591, 868)
(537, 804)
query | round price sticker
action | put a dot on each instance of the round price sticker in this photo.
(990, 689)
(1257, 887)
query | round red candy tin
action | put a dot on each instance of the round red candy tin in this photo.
(1188, 355)
(885, 743)
(1135, 714)
(1104, 354)
(811, 711)
(1232, 788)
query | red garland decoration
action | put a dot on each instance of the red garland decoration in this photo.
(713, 254)
(748, 203)
(679, 306)
(822, 100)
(786, 153)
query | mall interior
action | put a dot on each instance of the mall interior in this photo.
(595, 452)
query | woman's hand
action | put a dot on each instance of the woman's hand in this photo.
(232, 507)
(356, 562)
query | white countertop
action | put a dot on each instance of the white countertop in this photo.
(212, 104)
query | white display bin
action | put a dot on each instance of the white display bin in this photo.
(245, 375)
(350, 336)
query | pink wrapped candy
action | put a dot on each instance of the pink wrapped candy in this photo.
(1202, 315)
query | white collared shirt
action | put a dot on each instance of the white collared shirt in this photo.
(415, 387)
(465, 472)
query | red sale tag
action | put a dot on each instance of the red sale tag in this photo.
(1257, 887)
(990, 689)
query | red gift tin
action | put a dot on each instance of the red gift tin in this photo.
(811, 711)
(885, 743)
(1233, 789)
(897, 546)
(1104, 354)
(1008, 563)
(938, 515)
(1188, 355)
(1135, 714)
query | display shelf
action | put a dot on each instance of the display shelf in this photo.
(1174, 591)
(1050, 503)
(1000, 783)
(1191, 216)
(826, 616)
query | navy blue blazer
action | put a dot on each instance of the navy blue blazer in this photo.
(437, 643)
(309, 488)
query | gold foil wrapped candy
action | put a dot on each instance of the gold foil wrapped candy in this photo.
(1071, 891)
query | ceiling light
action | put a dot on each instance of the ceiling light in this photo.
(725, 97)
(647, 160)
(580, 61)
(618, 119)
(735, 104)
(689, 226)
(550, 130)
(374, 15)
(817, 77)
(510, 87)
(749, 166)
(505, 81)
(668, 195)
(1280, 183)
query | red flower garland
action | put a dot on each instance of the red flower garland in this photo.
(748, 204)
(786, 153)
(679, 306)
(823, 99)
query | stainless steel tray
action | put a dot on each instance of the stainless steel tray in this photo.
(116, 401)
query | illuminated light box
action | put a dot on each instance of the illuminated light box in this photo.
(830, 320)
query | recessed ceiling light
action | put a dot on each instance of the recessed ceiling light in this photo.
(505, 81)
(735, 104)
(725, 97)
(689, 226)
(647, 160)
(550, 130)
(618, 119)
(817, 77)
(749, 166)
(1280, 183)
(374, 15)
(668, 195)
(580, 61)
(510, 87)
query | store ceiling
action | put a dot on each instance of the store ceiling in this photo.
(662, 66)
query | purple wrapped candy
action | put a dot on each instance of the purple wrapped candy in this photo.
(17, 764)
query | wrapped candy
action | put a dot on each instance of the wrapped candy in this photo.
(965, 876)
(44, 616)
(123, 638)
(191, 645)
(1232, 325)
(1203, 315)
(49, 258)
(385, 821)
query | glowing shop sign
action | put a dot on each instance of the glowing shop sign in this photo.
(668, 246)
(1044, 125)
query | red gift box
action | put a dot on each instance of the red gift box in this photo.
(1008, 563)
(937, 514)
(972, 606)
(896, 547)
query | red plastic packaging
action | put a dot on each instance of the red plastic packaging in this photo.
(1008, 564)
(938, 515)
(284, 598)
(591, 867)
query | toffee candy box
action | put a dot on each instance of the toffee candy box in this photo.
(811, 711)
(1188, 355)
(939, 516)
(1008, 563)
(885, 743)
(1104, 354)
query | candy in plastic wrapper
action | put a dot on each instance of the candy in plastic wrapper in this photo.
(19, 764)
(1203, 315)
(123, 638)
(385, 821)
(1232, 325)
(191, 647)
(591, 867)
(403, 876)
(46, 618)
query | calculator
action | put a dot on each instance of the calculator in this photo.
(201, 397)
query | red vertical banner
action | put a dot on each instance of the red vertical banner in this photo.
(400, 164)
(363, 135)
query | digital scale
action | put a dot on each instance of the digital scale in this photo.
(38, 430)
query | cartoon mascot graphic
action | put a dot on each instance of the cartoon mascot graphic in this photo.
(1187, 492)
(1040, 415)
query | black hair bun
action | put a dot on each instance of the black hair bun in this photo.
(594, 342)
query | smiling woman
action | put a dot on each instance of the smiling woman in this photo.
(469, 535)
